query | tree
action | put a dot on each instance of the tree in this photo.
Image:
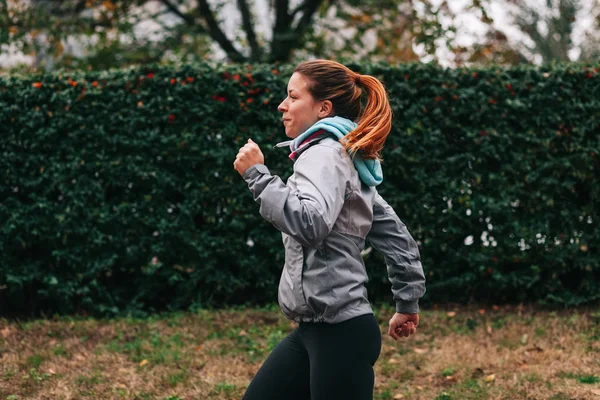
(373, 30)
(548, 32)
(47, 30)
(108, 30)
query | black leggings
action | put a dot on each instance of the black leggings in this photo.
(320, 361)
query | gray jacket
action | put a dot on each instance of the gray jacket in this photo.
(326, 214)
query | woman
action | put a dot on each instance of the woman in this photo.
(326, 211)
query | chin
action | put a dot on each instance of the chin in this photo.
(291, 135)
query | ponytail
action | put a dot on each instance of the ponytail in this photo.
(330, 80)
(375, 122)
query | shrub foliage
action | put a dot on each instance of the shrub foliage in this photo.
(118, 194)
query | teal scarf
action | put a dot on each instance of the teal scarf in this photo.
(369, 171)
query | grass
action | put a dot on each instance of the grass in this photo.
(499, 353)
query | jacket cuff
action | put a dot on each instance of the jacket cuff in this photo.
(407, 307)
(254, 171)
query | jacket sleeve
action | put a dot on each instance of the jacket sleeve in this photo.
(390, 236)
(308, 213)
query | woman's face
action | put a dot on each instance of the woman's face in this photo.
(300, 110)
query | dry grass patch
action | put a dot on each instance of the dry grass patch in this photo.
(459, 353)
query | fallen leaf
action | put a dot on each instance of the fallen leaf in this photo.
(198, 348)
(398, 396)
(143, 362)
(5, 332)
(451, 378)
(243, 333)
(451, 314)
(596, 392)
(51, 371)
(490, 378)
(393, 361)
(419, 387)
(477, 373)
(420, 351)
(489, 329)
(524, 339)
(536, 348)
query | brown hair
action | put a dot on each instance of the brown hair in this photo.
(330, 80)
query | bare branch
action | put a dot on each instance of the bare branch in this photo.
(61, 9)
(309, 7)
(217, 34)
(297, 10)
(282, 18)
(529, 26)
(283, 36)
(173, 8)
(249, 29)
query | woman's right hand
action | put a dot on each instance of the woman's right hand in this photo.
(248, 156)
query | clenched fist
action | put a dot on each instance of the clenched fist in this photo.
(248, 156)
(403, 325)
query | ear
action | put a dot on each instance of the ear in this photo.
(326, 109)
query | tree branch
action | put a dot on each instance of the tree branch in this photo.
(282, 18)
(80, 7)
(297, 10)
(60, 9)
(282, 32)
(249, 29)
(217, 34)
(527, 21)
(563, 25)
(188, 19)
(309, 7)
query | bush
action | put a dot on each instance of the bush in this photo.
(118, 192)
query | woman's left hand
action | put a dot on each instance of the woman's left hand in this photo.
(403, 325)
(248, 156)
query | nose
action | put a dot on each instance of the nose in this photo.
(282, 107)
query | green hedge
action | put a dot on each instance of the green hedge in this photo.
(118, 194)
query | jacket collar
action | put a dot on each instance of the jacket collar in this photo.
(369, 171)
(305, 144)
